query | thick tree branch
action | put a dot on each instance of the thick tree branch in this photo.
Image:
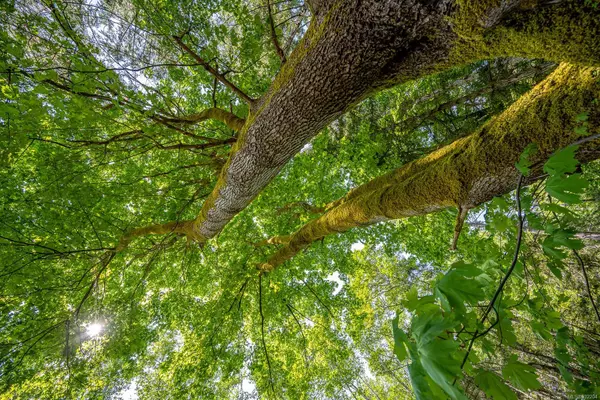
(301, 204)
(274, 240)
(213, 71)
(359, 47)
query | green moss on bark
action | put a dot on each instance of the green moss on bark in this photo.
(564, 32)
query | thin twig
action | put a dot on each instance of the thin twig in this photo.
(262, 330)
(274, 38)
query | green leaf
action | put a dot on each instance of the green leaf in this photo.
(493, 386)
(420, 385)
(440, 362)
(399, 339)
(525, 159)
(562, 354)
(505, 329)
(582, 130)
(555, 267)
(553, 320)
(567, 189)
(458, 287)
(584, 116)
(560, 238)
(561, 162)
(428, 326)
(558, 209)
(521, 375)
(540, 330)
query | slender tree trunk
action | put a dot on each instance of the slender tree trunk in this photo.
(471, 170)
(354, 48)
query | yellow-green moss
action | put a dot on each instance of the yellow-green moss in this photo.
(565, 32)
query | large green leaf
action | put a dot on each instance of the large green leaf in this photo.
(460, 286)
(562, 161)
(567, 189)
(521, 375)
(399, 339)
(493, 386)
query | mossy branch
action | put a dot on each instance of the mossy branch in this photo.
(231, 120)
(179, 227)
(471, 170)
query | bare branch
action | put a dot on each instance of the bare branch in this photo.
(460, 220)
(213, 71)
(587, 282)
(274, 38)
(262, 330)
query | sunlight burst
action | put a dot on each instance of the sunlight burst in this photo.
(94, 329)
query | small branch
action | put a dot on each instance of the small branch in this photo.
(231, 120)
(262, 330)
(318, 298)
(98, 71)
(240, 294)
(274, 240)
(301, 332)
(117, 138)
(274, 38)
(214, 93)
(179, 227)
(83, 94)
(213, 71)
(583, 270)
(460, 220)
(107, 258)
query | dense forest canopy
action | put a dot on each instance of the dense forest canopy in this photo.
(283, 199)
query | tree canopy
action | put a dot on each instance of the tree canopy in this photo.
(285, 199)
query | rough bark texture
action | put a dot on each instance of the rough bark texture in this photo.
(471, 170)
(355, 47)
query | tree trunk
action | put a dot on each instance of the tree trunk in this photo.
(471, 170)
(355, 47)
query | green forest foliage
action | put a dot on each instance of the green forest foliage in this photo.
(385, 312)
